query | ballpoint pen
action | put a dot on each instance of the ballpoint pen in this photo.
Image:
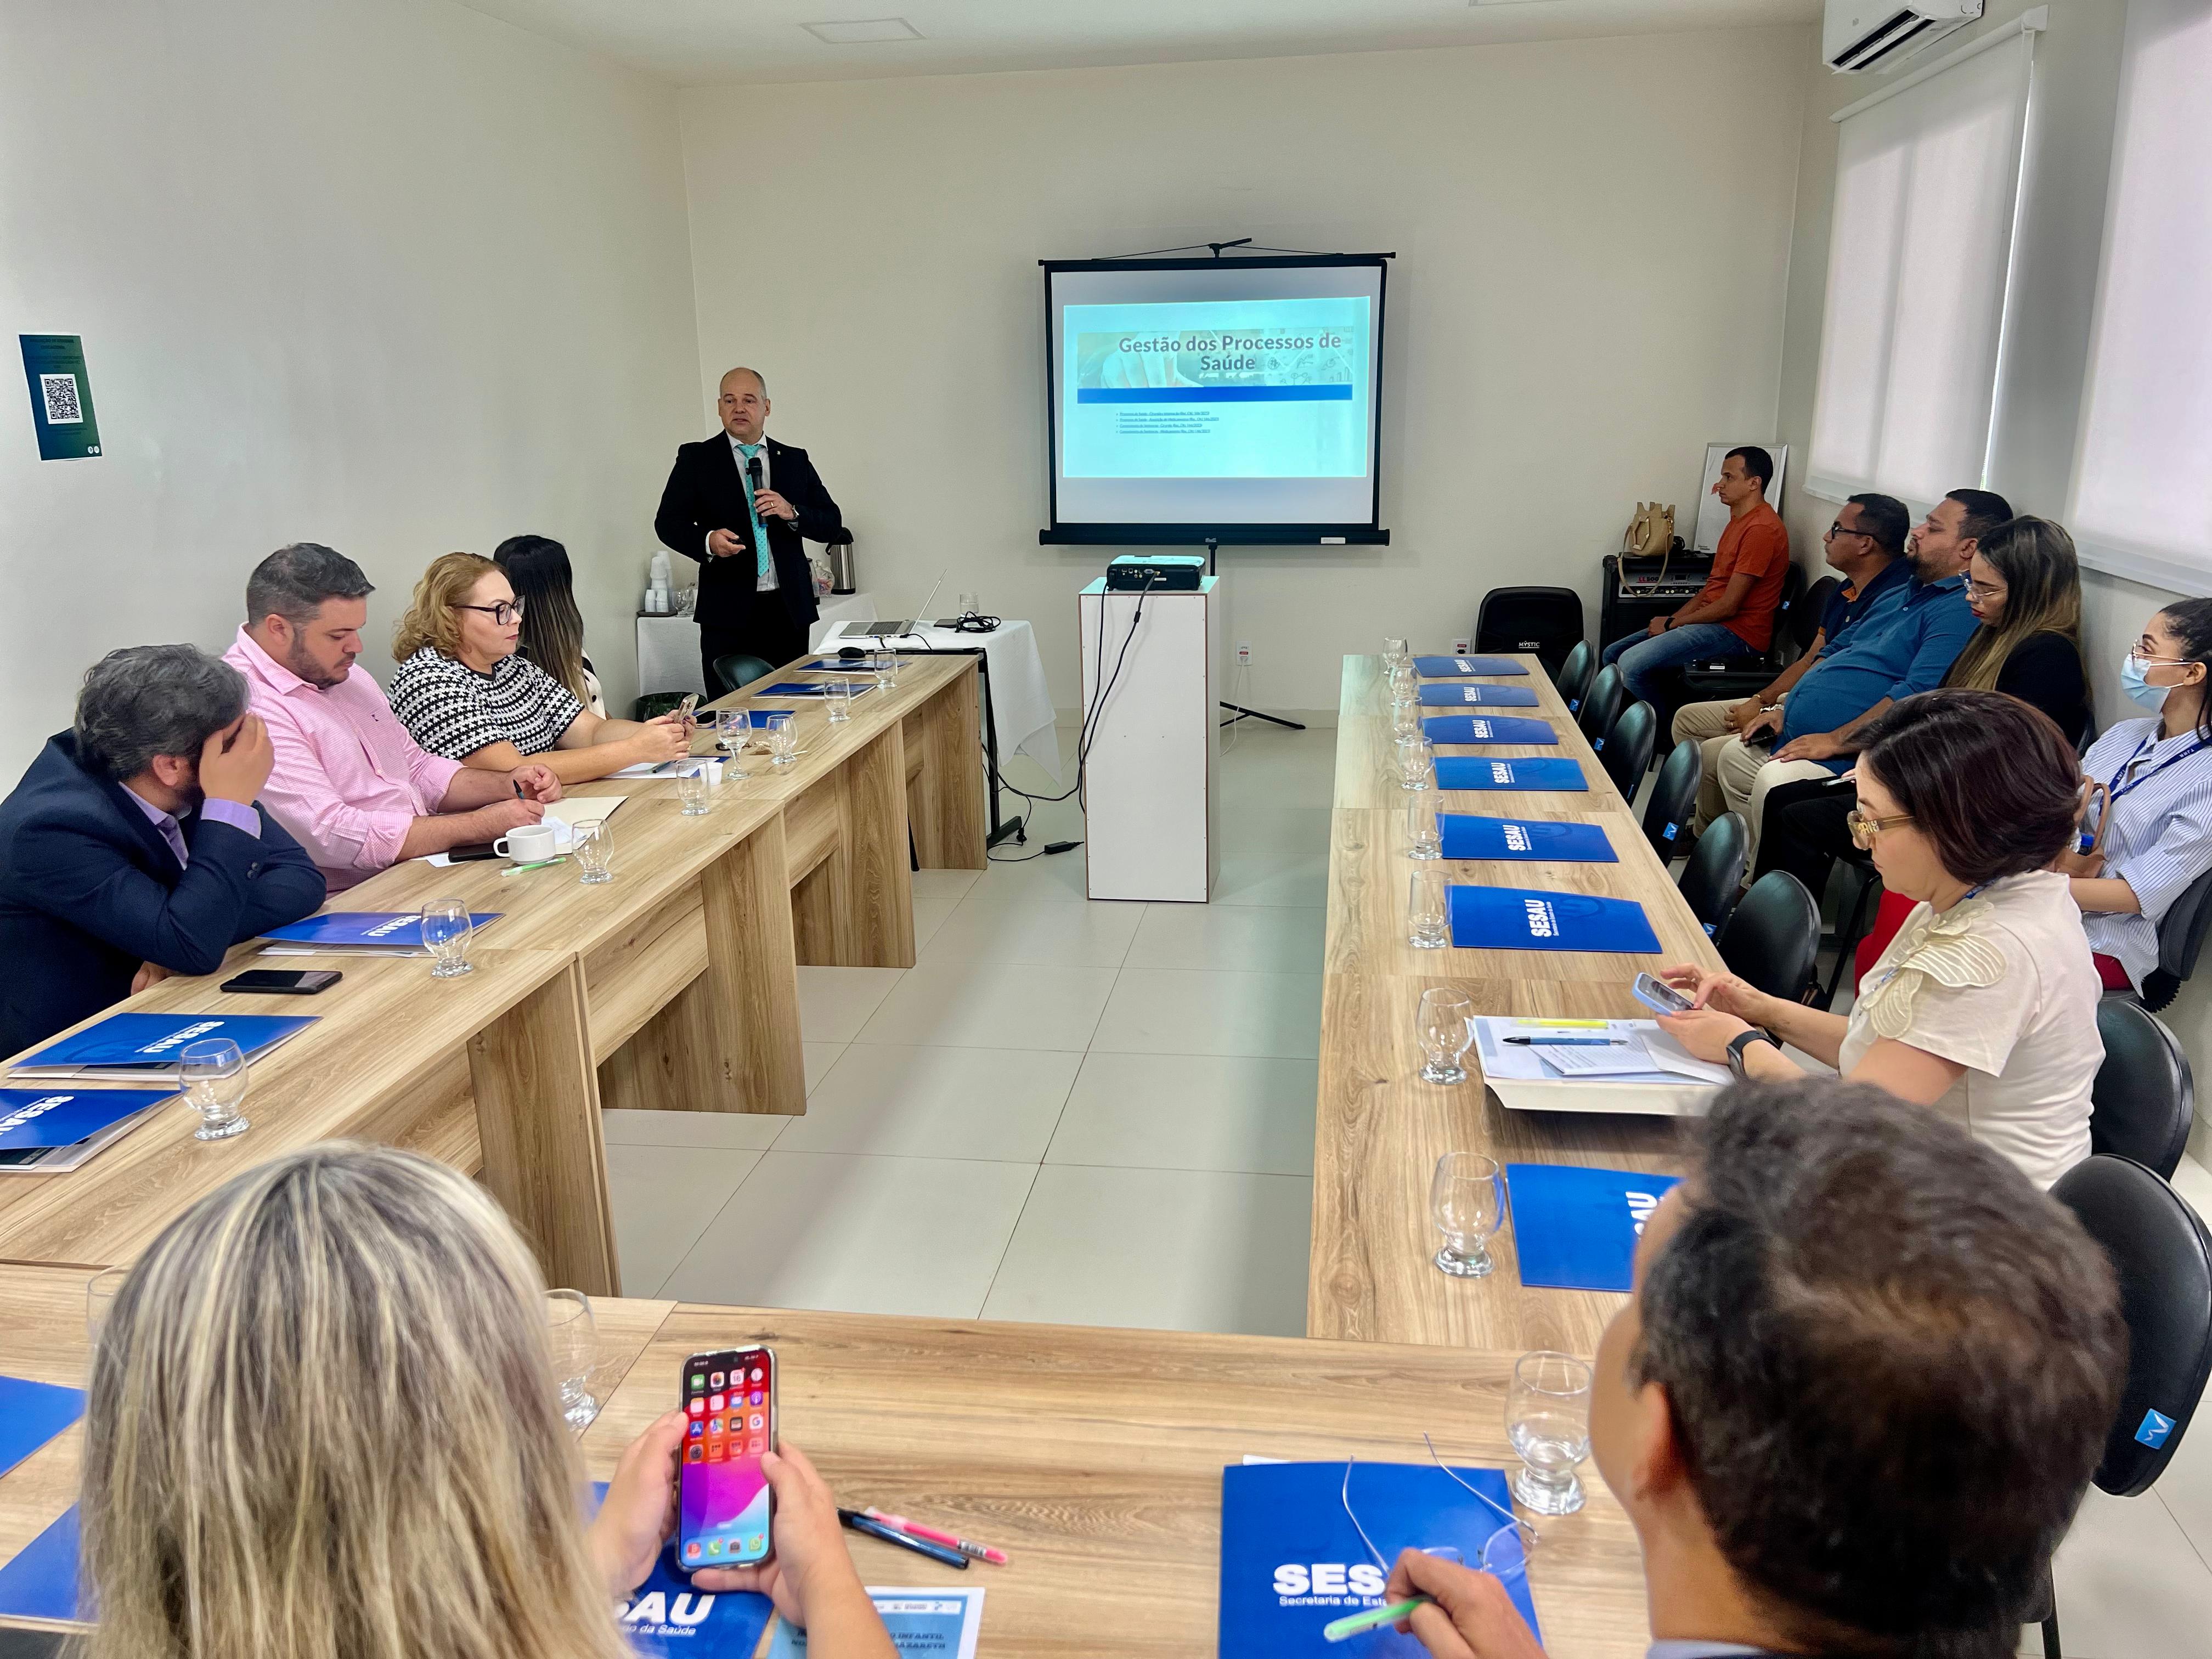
(974, 1552)
(856, 1521)
(517, 869)
(1568, 1042)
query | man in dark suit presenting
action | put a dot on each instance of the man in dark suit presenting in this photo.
(743, 505)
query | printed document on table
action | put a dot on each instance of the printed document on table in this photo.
(1661, 1060)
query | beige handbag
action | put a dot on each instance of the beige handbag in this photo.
(1650, 533)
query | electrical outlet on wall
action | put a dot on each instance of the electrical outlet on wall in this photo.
(1462, 647)
(1244, 656)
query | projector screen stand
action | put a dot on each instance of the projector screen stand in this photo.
(1237, 710)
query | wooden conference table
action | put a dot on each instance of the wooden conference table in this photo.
(673, 986)
(1379, 1129)
(1092, 1456)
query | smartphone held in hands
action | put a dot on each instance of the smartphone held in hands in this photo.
(1658, 996)
(725, 1510)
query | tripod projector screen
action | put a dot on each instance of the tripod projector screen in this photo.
(1231, 399)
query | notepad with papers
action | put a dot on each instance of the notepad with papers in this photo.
(1640, 1071)
(1519, 840)
(1530, 919)
(358, 933)
(1480, 697)
(1444, 668)
(1486, 728)
(1483, 772)
(134, 1045)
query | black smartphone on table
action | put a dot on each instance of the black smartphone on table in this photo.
(283, 982)
(725, 1509)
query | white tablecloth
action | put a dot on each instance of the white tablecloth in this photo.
(668, 646)
(1021, 704)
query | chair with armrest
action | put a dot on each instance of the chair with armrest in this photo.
(1626, 750)
(1711, 883)
(2180, 937)
(737, 670)
(1673, 798)
(1574, 675)
(1601, 706)
(1773, 937)
(2144, 1098)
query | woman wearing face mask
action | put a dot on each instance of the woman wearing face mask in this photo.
(2024, 586)
(463, 690)
(2158, 823)
(1985, 1006)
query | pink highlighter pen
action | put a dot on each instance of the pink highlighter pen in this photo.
(973, 1552)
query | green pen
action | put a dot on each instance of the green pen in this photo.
(1338, 1628)
(517, 869)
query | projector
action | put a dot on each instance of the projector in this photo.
(1162, 573)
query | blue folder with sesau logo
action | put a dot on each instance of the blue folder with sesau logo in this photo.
(1466, 836)
(1292, 1562)
(364, 929)
(1482, 772)
(132, 1044)
(1477, 697)
(1487, 729)
(1528, 919)
(32, 1118)
(1575, 1229)
(1445, 668)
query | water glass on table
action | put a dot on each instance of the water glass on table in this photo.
(1423, 840)
(734, 730)
(886, 666)
(782, 730)
(1405, 720)
(695, 792)
(837, 699)
(1396, 651)
(574, 1337)
(1466, 1203)
(593, 844)
(1427, 926)
(1416, 762)
(446, 925)
(213, 1075)
(1445, 1025)
(1548, 1420)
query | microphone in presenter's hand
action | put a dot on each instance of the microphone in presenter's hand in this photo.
(753, 472)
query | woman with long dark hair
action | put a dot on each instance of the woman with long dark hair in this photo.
(552, 627)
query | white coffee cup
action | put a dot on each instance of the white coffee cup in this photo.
(528, 843)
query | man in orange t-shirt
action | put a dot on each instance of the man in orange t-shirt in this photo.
(1733, 615)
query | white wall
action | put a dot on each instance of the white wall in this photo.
(1591, 239)
(2060, 229)
(386, 274)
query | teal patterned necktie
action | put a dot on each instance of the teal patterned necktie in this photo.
(761, 566)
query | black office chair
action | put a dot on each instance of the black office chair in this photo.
(1547, 620)
(1574, 675)
(1711, 883)
(1856, 920)
(2163, 1257)
(1602, 707)
(1773, 937)
(2144, 1097)
(2180, 937)
(737, 670)
(1673, 797)
(1626, 750)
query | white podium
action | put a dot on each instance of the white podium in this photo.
(1153, 808)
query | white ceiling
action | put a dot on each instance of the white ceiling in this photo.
(695, 42)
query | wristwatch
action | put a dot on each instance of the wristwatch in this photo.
(1744, 1040)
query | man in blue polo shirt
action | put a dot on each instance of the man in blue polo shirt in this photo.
(1905, 643)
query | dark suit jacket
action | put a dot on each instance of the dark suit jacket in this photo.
(88, 889)
(706, 492)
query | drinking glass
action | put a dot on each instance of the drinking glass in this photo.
(968, 605)
(99, 1293)
(213, 1074)
(782, 739)
(837, 698)
(1465, 1203)
(445, 929)
(694, 792)
(1425, 928)
(1405, 720)
(1422, 839)
(1547, 1420)
(574, 1340)
(1446, 1027)
(1395, 651)
(593, 844)
(734, 730)
(1416, 762)
(887, 670)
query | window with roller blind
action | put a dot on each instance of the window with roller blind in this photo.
(2142, 482)
(1927, 181)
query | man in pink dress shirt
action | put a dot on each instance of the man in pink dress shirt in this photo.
(348, 783)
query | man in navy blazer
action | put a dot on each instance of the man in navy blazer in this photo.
(755, 588)
(132, 849)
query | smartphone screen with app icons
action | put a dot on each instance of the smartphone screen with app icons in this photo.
(725, 1506)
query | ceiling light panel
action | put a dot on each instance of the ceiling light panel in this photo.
(868, 33)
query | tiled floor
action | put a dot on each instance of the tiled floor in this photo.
(1094, 1113)
(1103, 1114)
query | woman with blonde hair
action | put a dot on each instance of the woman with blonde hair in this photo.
(463, 690)
(323, 1422)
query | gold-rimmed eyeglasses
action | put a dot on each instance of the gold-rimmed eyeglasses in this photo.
(1864, 827)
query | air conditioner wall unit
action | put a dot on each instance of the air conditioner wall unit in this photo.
(1858, 36)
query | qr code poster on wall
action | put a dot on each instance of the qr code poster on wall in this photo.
(61, 396)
